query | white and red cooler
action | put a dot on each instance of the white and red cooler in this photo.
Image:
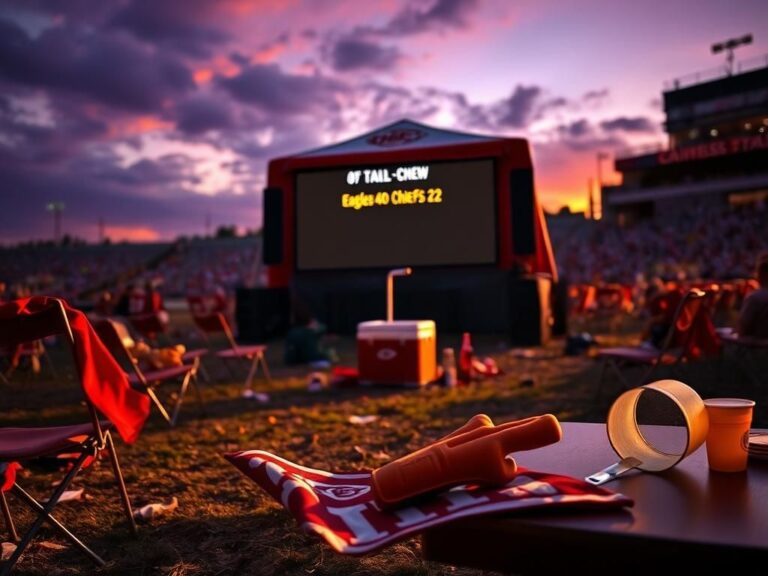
(400, 352)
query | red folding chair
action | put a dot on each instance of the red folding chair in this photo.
(677, 347)
(216, 323)
(106, 391)
(116, 338)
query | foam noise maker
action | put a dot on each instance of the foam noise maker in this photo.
(476, 453)
(637, 449)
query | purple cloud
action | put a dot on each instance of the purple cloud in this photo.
(581, 136)
(273, 91)
(627, 124)
(110, 69)
(200, 114)
(352, 54)
(32, 131)
(517, 110)
(181, 25)
(596, 95)
(440, 15)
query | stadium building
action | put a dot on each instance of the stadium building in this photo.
(716, 155)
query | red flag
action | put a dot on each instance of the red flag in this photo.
(104, 382)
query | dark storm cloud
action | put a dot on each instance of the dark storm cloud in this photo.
(109, 68)
(181, 25)
(269, 88)
(145, 173)
(439, 15)
(351, 54)
(200, 114)
(80, 10)
(582, 136)
(27, 140)
(391, 103)
(358, 49)
(517, 110)
(627, 124)
(576, 129)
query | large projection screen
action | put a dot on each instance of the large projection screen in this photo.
(410, 214)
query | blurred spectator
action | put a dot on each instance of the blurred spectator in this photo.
(104, 304)
(753, 320)
(153, 302)
(303, 343)
(661, 303)
(123, 305)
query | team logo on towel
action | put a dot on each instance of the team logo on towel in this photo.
(386, 354)
(341, 492)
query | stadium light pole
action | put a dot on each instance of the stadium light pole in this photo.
(728, 46)
(599, 198)
(56, 208)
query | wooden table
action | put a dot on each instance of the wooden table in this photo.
(687, 515)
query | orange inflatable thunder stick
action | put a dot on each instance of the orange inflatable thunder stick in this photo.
(476, 453)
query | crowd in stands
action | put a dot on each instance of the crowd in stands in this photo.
(204, 265)
(69, 270)
(702, 244)
(81, 273)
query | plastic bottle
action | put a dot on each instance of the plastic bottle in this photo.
(449, 368)
(465, 359)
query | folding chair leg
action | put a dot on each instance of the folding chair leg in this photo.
(8, 518)
(266, 369)
(252, 372)
(157, 403)
(120, 483)
(44, 513)
(180, 399)
(259, 358)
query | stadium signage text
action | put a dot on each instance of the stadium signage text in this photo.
(736, 145)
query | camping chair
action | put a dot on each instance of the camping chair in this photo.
(116, 338)
(152, 327)
(105, 389)
(676, 348)
(35, 352)
(217, 323)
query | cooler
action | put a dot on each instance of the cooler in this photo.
(399, 352)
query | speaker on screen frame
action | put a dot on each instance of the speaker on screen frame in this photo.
(521, 201)
(273, 226)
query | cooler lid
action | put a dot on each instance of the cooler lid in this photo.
(397, 329)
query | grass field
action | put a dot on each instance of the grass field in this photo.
(225, 524)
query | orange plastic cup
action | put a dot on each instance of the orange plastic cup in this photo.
(728, 437)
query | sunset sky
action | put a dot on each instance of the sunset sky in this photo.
(154, 114)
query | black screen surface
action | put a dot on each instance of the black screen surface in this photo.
(426, 213)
